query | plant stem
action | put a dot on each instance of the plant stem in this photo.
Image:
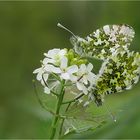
(58, 106)
(75, 99)
(61, 126)
(69, 103)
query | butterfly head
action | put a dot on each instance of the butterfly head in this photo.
(75, 40)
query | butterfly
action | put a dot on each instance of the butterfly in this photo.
(104, 41)
(120, 69)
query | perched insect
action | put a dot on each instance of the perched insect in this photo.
(120, 68)
(104, 41)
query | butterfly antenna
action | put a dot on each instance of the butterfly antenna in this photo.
(61, 26)
(111, 114)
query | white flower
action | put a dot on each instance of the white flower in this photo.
(85, 76)
(41, 73)
(42, 76)
(54, 56)
(50, 68)
(67, 71)
(82, 87)
(57, 62)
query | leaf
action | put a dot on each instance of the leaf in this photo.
(79, 119)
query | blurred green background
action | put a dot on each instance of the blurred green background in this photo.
(27, 30)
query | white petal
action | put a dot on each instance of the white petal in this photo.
(85, 91)
(37, 70)
(52, 53)
(89, 67)
(39, 76)
(79, 85)
(72, 69)
(85, 81)
(65, 76)
(48, 60)
(64, 63)
(73, 78)
(91, 77)
(42, 82)
(56, 70)
(83, 68)
(47, 90)
(62, 52)
(51, 68)
(45, 76)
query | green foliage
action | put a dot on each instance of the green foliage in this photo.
(80, 119)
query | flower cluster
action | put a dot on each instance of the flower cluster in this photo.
(63, 64)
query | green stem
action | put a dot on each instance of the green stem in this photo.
(75, 99)
(69, 103)
(61, 126)
(58, 106)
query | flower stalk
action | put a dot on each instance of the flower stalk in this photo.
(58, 107)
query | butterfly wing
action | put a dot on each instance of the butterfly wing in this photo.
(118, 73)
(104, 41)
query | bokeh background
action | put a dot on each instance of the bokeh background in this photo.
(27, 30)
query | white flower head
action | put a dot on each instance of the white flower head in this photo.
(85, 77)
(67, 71)
(54, 56)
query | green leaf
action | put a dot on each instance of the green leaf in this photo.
(80, 119)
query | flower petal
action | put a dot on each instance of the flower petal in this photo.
(37, 70)
(39, 76)
(72, 69)
(65, 76)
(73, 78)
(91, 77)
(62, 52)
(89, 67)
(64, 63)
(51, 68)
(85, 80)
(52, 53)
(47, 90)
(45, 76)
(81, 87)
(82, 68)
(48, 60)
